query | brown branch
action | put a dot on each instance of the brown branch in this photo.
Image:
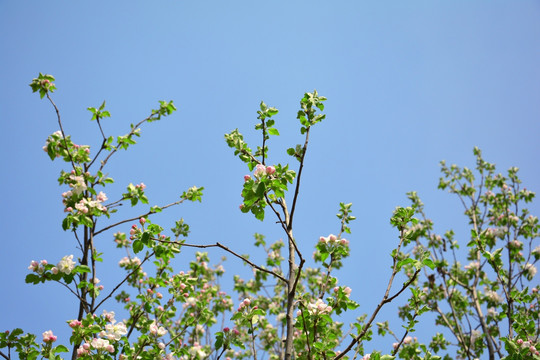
(61, 129)
(217, 244)
(386, 299)
(137, 217)
(403, 337)
(130, 133)
(296, 191)
(123, 281)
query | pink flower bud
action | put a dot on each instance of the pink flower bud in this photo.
(49, 337)
(74, 323)
(142, 221)
(519, 341)
(226, 330)
(247, 177)
(270, 170)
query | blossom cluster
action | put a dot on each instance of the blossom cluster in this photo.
(319, 307)
(333, 240)
(49, 337)
(261, 170)
(103, 343)
(157, 330)
(346, 290)
(245, 303)
(528, 345)
(65, 266)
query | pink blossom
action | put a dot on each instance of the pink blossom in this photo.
(247, 177)
(260, 170)
(74, 323)
(101, 197)
(34, 265)
(48, 337)
(270, 170)
(157, 330)
(142, 221)
(81, 351)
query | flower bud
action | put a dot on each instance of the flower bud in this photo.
(270, 170)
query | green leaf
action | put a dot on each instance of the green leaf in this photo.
(272, 111)
(261, 188)
(219, 340)
(404, 262)
(429, 263)
(137, 246)
(145, 237)
(272, 131)
(32, 279)
(60, 348)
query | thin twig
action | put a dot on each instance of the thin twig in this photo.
(61, 129)
(297, 190)
(137, 217)
(123, 281)
(386, 299)
(219, 245)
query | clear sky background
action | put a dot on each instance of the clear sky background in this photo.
(408, 84)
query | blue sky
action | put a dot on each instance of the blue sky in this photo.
(408, 84)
